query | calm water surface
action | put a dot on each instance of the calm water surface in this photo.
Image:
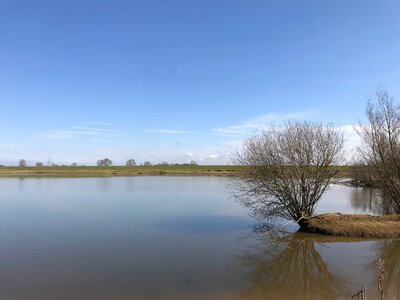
(173, 238)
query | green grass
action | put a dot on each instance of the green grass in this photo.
(94, 171)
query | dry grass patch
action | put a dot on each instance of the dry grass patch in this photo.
(354, 225)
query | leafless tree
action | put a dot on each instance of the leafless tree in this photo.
(147, 164)
(289, 167)
(22, 163)
(39, 164)
(381, 147)
(106, 162)
(74, 164)
(362, 174)
(130, 163)
(193, 163)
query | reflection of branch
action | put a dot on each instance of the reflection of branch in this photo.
(361, 294)
(291, 268)
(381, 277)
(386, 284)
(390, 252)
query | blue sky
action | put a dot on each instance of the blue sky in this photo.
(181, 80)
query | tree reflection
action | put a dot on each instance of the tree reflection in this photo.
(289, 267)
(390, 252)
(366, 200)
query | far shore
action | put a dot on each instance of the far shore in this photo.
(169, 170)
(95, 171)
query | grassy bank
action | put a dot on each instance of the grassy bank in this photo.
(354, 225)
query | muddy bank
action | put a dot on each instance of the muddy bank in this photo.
(353, 225)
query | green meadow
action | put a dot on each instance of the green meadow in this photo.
(95, 171)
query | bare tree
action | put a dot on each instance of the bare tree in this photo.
(74, 164)
(130, 163)
(147, 164)
(288, 169)
(193, 163)
(381, 147)
(39, 164)
(22, 163)
(362, 174)
(106, 162)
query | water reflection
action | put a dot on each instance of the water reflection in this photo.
(310, 266)
(290, 268)
(390, 251)
(171, 238)
(366, 200)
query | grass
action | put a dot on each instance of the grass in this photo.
(354, 225)
(94, 171)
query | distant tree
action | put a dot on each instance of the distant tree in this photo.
(39, 164)
(164, 163)
(73, 164)
(193, 162)
(130, 163)
(106, 162)
(22, 163)
(147, 164)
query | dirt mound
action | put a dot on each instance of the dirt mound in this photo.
(354, 225)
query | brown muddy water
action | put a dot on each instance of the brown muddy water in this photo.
(174, 238)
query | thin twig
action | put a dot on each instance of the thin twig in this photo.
(361, 295)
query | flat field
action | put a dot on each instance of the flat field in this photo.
(94, 171)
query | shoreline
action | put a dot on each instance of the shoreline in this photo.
(119, 171)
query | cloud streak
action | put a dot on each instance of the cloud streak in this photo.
(77, 131)
(168, 131)
(100, 124)
(260, 122)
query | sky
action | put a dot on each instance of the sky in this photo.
(184, 80)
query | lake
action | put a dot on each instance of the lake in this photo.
(174, 238)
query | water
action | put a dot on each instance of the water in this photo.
(172, 238)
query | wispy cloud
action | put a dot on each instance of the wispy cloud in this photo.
(168, 131)
(57, 135)
(99, 124)
(95, 129)
(100, 140)
(76, 131)
(260, 122)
